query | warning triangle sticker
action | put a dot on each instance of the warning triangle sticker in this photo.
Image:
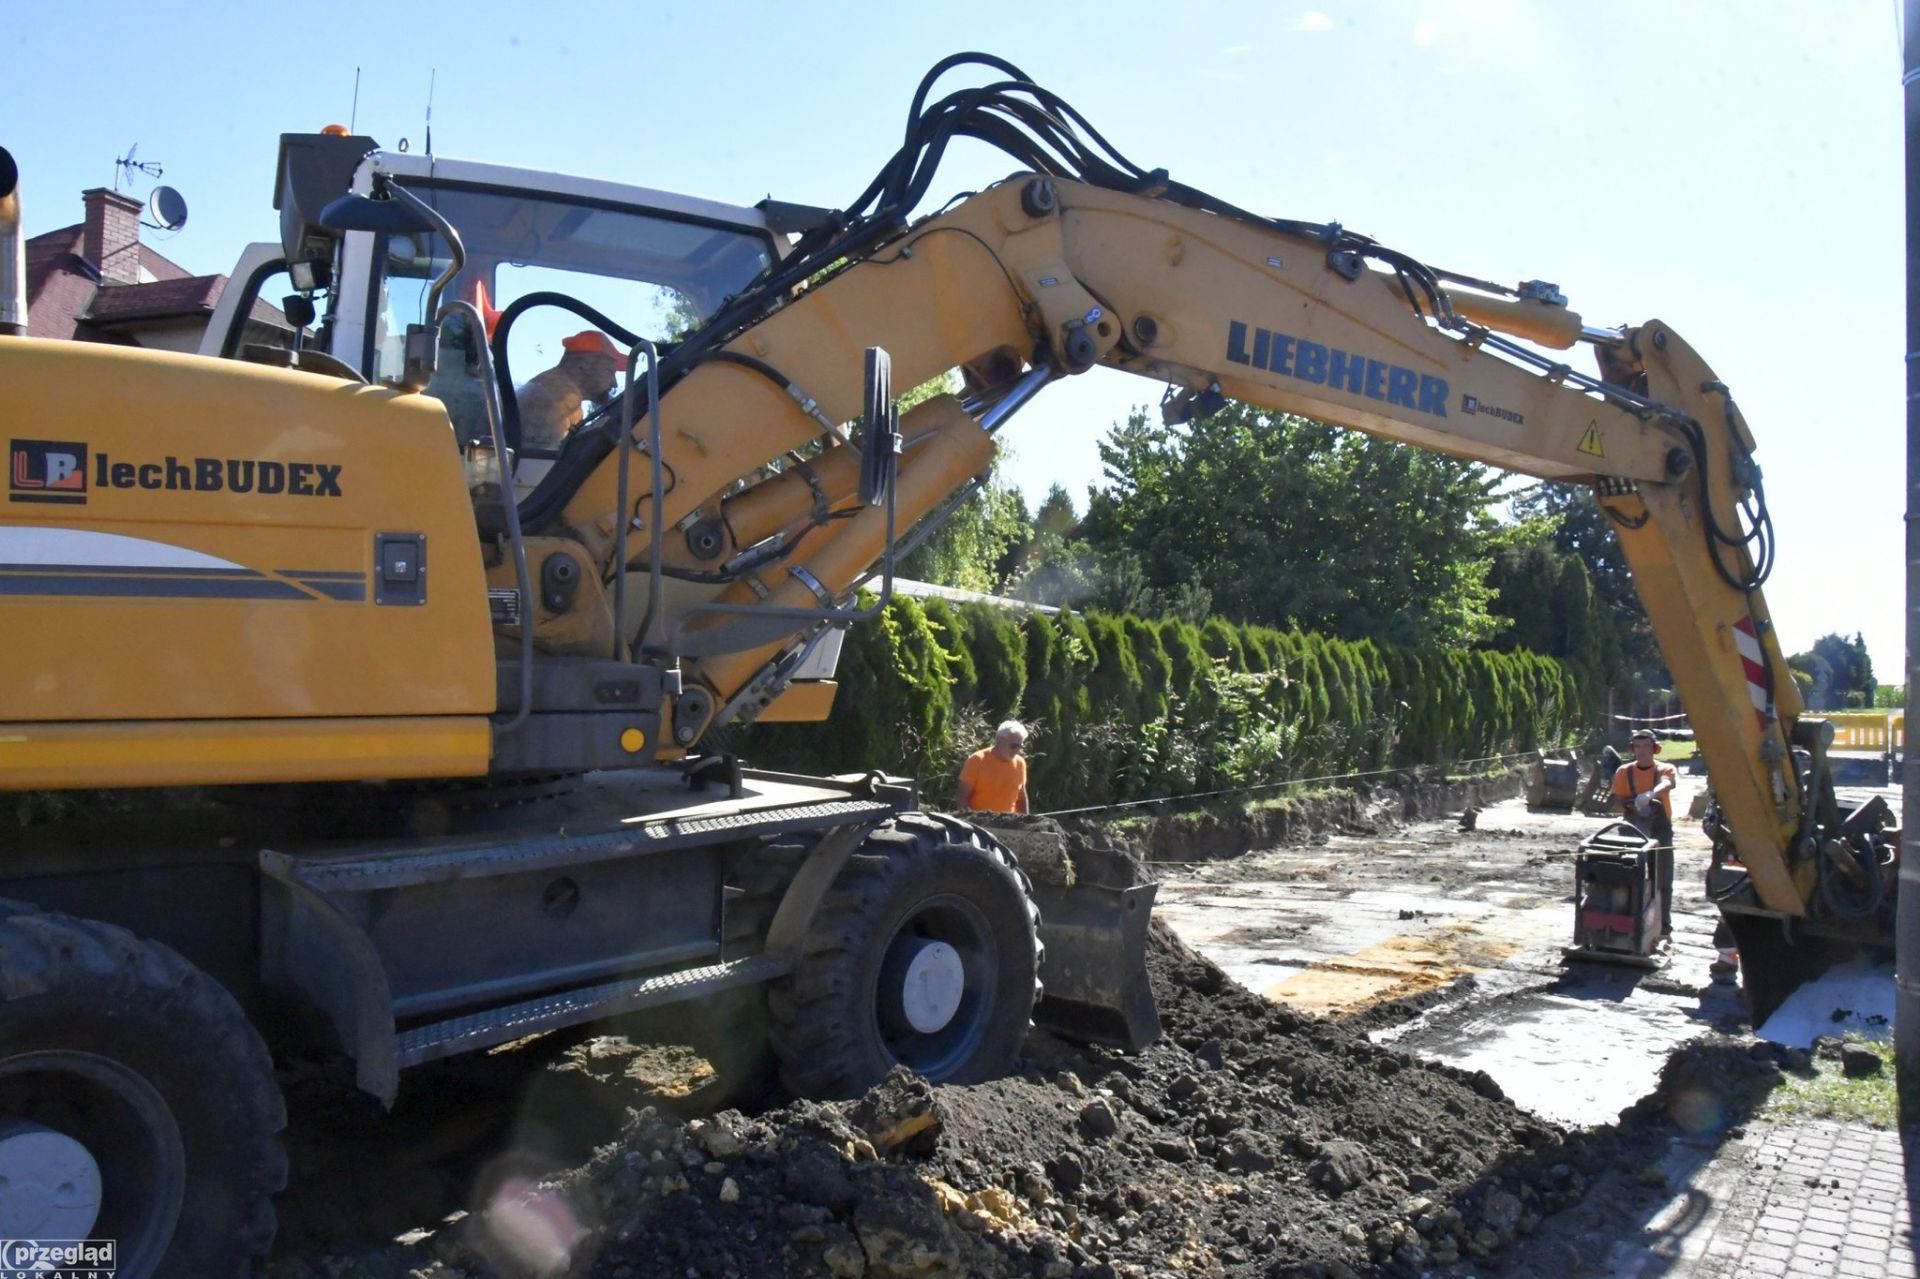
(1590, 441)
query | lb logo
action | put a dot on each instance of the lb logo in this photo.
(47, 471)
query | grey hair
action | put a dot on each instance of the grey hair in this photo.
(1011, 728)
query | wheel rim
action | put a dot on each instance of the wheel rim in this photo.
(49, 1186)
(934, 994)
(123, 1128)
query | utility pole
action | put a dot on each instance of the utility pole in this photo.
(1906, 1020)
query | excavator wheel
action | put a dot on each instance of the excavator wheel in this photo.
(757, 878)
(137, 1103)
(925, 953)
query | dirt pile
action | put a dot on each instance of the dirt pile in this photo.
(1250, 1141)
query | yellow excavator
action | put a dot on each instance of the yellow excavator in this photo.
(454, 684)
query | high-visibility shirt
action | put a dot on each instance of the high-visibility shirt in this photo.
(1631, 779)
(996, 783)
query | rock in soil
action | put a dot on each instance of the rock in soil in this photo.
(1858, 1060)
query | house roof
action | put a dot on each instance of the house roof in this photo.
(162, 299)
(61, 285)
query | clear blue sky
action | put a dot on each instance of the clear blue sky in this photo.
(1733, 169)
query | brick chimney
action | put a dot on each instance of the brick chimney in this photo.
(111, 237)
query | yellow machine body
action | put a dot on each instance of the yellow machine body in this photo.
(1000, 285)
(190, 586)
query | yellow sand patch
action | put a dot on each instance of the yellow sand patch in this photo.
(1394, 969)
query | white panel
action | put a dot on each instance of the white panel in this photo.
(62, 547)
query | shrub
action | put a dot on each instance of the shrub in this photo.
(1125, 708)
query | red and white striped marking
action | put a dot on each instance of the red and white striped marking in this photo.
(1746, 638)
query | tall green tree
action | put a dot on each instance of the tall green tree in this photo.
(1056, 514)
(1546, 596)
(1288, 522)
(1630, 655)
(977, 548)
(1839, 673)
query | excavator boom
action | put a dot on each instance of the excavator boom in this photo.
(1046, 275)
(326, 588)
(469, 676)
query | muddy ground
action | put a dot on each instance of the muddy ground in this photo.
(1254, 1139)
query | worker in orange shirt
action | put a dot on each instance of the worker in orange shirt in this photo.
(1644, 790)
(994, 778)
(554, 402)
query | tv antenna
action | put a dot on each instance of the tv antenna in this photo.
(129, 164)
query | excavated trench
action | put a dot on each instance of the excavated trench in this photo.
(1251, 1140)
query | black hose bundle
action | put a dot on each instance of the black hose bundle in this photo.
(1040, 131)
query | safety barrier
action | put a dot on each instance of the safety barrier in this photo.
(1876, 731)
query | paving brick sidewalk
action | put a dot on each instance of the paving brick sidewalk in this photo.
(1813, 1200)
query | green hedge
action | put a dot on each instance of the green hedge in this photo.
(1124, 708)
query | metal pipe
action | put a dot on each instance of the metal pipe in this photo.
(1025, 389)
(13, 251)
(1906, 1017)
(456, 250)
(523, 580)
(654, 530)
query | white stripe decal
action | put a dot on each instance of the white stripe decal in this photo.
(1749, 645)
(61, 547)
(1758, 695)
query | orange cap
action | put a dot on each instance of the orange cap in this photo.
(593, 342)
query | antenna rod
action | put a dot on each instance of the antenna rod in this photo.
(433, 73)
(353, 117)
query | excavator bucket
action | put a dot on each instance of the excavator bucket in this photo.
(1774, 963)
(1094, 914)
(1554, 781)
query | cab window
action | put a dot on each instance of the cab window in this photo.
(652, 274)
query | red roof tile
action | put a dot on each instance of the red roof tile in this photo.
(161, 268)
(61, 288)
(162, 299)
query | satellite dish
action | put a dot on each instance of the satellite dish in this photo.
(166, 209)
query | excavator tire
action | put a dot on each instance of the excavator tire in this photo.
(757, 879)
(122, 1046)
(925, 953)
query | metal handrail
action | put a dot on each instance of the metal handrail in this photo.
(515, 541)
(655, 521)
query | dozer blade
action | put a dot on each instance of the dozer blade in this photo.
(1095, 970)
(1094, 916)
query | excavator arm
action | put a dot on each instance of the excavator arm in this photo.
(1046, 275)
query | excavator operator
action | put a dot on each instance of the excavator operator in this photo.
(1644, 791)
(553, 403)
